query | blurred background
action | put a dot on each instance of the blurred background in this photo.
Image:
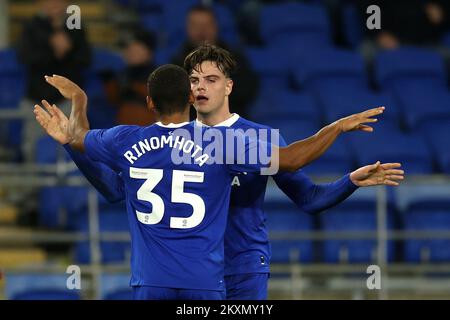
(303, 64)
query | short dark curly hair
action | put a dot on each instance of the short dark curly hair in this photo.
(207, 52)
(169, 88)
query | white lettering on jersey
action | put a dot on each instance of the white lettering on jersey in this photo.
(187, 146)
(236, 181)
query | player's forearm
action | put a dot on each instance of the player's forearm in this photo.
(323, 196)
(78, 121)
(301, 153)
(314, 198)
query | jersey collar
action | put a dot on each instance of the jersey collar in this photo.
(227, 123)
(171, 125)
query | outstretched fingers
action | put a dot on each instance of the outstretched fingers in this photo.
(58, 113)
(48, 107)
(41, 115)
(390, 183)
(365, 128)
(394, 177)
(372, 112)
(388, 166)
(395, 171)
(38, 111)
(56, 81)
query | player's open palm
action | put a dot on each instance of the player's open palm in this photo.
(66, 87)
(53, 121)
(378, 174)
(357, 121)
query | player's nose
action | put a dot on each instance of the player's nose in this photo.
(201, 84)
(201, 88)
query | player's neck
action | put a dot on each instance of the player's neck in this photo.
(177, 117)
(214, 118)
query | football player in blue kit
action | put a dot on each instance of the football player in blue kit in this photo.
(246, 246)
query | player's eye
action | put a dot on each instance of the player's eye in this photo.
(194, 81)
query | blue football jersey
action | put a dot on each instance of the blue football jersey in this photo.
(247, 247)
(177, 210)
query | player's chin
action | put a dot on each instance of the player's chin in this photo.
(202, 107)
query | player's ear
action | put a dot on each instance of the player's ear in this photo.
(191, 98)
(150, 104)
(228, 87)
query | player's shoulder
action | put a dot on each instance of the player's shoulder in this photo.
(243, 123)
(246, 124)
(120, 133)
(125, 129)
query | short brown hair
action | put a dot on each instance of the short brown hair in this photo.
(207, 52)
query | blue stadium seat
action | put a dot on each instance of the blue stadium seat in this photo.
(47, 295)
(286, 104)
(11, 137)
(12, 79)
(285, 217)
(352, 25)
(94, 88)
(174, 18)
(106, 60)
(103, 60)
(152, 22)
(410, 69)
(421, 107)
(295, 24)
(12, 90)
(116, 287)
(227, 25)
(330, 69)
(427, 215)
(112, 218)
(425, 207)
(149, 5)
(48, 151)
(338, 104)
(337, 160)
(273, 71)
(388, 144)
(141, 5)
(101, 114)
(293, 129)
(59, 206)
(446, 39)
(162, 56)
(123, 294)
(352, 215)
(437, 134)
(39, 287)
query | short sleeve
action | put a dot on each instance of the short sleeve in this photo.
(100, 145)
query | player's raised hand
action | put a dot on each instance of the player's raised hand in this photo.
(378, 174)
(53, 121)
(357, 121)
(66, 87)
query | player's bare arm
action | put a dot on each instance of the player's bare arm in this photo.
(78, 121)
(301, 153)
